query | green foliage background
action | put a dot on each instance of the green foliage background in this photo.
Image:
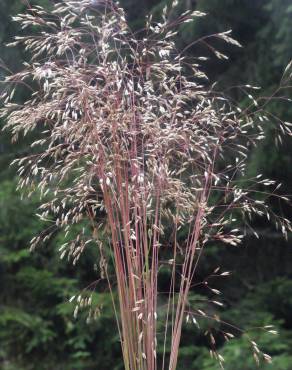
(37, 328)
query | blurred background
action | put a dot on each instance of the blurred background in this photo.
(37, 328)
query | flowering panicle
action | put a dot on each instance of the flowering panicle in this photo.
(132, 141)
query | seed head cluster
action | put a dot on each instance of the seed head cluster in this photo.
(131, 141)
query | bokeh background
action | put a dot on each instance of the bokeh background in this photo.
(37, 328)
